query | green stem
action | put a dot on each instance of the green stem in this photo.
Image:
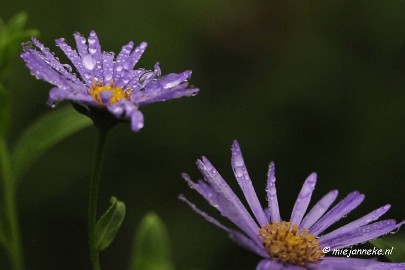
(93, 196)
(9, 191)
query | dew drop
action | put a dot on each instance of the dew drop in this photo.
(88, 62)
(68, 67)
(108, 77)
(92, 50)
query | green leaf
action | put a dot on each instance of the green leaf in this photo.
(47, 131)
(395, 243)
(108, 225)
(4, 111)
(152, 247)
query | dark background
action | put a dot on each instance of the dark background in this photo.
(313, 85)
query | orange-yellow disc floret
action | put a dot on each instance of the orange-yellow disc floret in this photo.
(286, 243)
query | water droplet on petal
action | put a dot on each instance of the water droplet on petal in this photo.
(68, 67)
(89, 62)
(108, 77)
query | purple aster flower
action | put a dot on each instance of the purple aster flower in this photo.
(101, 81)
(298, 243)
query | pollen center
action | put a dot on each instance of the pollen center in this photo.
(290, 245)
(115, 95)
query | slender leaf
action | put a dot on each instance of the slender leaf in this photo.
(395, 244)
(152, 247)
(109, 224)
(43, 134)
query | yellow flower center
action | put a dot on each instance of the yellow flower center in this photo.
(117, 93)
(290, 245)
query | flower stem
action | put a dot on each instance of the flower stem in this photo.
(93, 196)
(13, 241)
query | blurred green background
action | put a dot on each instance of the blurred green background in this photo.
(313, 85)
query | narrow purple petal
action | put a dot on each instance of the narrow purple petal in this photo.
(51, 60)
(96, 53)
(125, 52)
(121, 59)
(134, 56)
(363, 234)
(81, 45)
(226, 207)
(45, 72)
(344, 207)
(173, 79)
(355, 224)
(234, 235)
(388, 266)
(108, 67)
(212, 176)
(267, 264)
(85, 72)
(319, 209)
(143, 98)
(242, 175)
(136, 120)
(57, 94)
(343, 263)
(272, 194)
(302, 202)
(247, 243)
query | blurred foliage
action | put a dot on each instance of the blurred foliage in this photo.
(152, 247)
(12, 35)
(396, 243)
(4, 111)
(313, 85)
(44, 133)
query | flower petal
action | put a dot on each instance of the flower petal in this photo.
(363, 234)
(234, 235)
(344, 207)
(336, 263)
(85, 73)
(81, 45)
(211, 175)
(57, 94)
(319, 209)
(272, 194)
(97, 54)
(242, 175)
(136, 120)
(301, 204)
(376, 214)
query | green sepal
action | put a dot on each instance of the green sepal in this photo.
(47, 131)
(152, 246)
(109, 224)
(396, 243)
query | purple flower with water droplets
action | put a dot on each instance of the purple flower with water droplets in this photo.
(301, 242)
(102, 81)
